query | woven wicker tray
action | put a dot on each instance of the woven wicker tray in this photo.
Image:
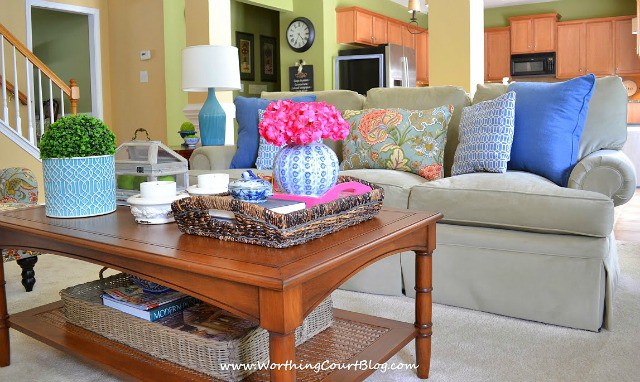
(162, 339)
(257, 225)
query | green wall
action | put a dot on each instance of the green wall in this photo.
(61, 41)
(257, 21)
(568, 9)
(174, 41)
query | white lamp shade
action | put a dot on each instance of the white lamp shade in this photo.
(210, 66)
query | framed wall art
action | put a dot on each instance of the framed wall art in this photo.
(268, 59)
(245, 44)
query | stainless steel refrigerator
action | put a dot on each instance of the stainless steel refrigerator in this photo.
(386, 65)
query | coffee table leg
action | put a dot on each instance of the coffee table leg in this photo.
(423, 312)
(282, 352)
(281, 314)
(4, 321)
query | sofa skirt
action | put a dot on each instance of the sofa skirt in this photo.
(563, 280)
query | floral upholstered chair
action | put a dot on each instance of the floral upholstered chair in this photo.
(19, 189)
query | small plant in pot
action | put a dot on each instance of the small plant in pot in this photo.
(187, 128)
(78, 161)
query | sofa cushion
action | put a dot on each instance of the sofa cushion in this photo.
(396, 184)
(486, 92)
(606, 124)
(421, 99)
(515, 200)
(548, 125)
(397, 139)
(486, 133)
(248, 137)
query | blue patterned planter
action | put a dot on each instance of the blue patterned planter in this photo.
(306, 169)
(79, 187)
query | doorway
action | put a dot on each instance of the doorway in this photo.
(66, 38)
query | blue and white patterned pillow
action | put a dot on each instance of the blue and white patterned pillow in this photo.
(485, 135)
(266, 151)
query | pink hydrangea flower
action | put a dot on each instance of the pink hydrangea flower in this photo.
(301, 123)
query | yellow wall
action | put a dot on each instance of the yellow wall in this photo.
(197, 14)
(459, 39)
(135, 26)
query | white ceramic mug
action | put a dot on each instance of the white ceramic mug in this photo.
(217, 183)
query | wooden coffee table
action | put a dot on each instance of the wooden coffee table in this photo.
(275, 287)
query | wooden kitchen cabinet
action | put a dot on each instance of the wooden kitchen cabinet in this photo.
(598, 53)
(357, 25)
(394, 32)
(408, 38)
(570, 58)
(422, 58)
(497, 53)
(626, 59)
(534, 33)
(603, 46)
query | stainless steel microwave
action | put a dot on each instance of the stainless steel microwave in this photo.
(536, 64)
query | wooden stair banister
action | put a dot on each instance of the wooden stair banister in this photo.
(11, 89)
(72, 90)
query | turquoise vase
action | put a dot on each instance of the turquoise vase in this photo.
(79, 187)
(212, 121)
(309, 170)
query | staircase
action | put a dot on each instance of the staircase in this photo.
(22, 118)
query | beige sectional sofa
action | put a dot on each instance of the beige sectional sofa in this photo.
(513, 244)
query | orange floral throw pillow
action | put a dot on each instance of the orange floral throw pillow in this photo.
(397, 139)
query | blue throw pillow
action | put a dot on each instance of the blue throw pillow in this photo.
(485, 136)
(248, 136)
(548, 125)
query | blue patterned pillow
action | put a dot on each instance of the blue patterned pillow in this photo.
(485, 135)
(266, 151)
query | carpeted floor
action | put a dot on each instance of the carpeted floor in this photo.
(467, 345)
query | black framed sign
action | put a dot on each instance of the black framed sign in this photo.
(245, 44)
(301, 78)
(268, 59)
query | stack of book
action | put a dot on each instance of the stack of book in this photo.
(148, 306)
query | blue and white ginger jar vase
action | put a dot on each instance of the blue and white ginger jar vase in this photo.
(309, 170)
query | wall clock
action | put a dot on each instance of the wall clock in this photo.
(300, 34)
(631, 86)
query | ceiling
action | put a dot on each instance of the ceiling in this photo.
(489, 3)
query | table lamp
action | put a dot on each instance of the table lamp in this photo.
(207, 68)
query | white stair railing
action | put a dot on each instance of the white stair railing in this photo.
(26, 133)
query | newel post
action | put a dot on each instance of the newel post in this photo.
(74, 96)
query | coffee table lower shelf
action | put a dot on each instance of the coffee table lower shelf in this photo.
(353, 338)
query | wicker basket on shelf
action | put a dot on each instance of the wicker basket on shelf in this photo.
(258, 225)
(167, 338)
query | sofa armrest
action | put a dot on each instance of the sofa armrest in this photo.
(609, 172)
(212, 157)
